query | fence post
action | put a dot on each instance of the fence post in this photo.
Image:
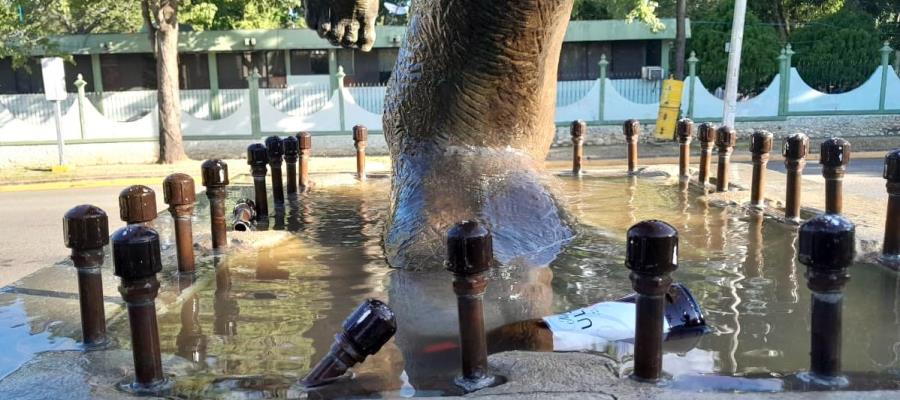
(339, 76)
(788, 70)
(215, 102)
(253, 86)
(692, 75)
(897, 61)
(98, 81)
(332, 70)
(664, 57)
(79, 84)
(604, 69)
(885, 57)
(782, 86)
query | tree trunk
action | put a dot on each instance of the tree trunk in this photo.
(171, 148)
(680, 38)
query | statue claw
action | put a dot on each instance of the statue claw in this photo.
(344, 23)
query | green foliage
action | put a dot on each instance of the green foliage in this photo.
(590, 9)
(240, 14)
(760, 49)
(642, 10)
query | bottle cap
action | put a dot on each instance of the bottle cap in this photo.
(834, 152)
(257, 155)
(360, 133)
(214, 173)
(370, 326)
(827, 243)
(274, 148)
(652, 248)
(761, 142)
(706, 132)
(726, 136)
(305, 139)
(578, 129)
(796, 146)
(85, 227)
(892, 166)
(137, 204)
(178, 190)
(136, 252)
(291, 148)
(631, 128)
(684, 130)
(469, 248)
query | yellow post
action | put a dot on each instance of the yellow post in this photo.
(669, 106)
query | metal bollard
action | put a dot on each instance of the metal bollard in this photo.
(275, 150)
(86, 231)
(578, 130)
(257, 159)
(725, 140)
(632, 130)
(137, 261)
(827, 249)
(364, 332)
(360, 140)
(794, 151)
(137, 204)
(291, 155)
(891, 248)
(684, 132)
(834, 155)
(244, 214)
(760, 146)
(469, 255)
(651, 254)
(215, 179)
(706, 133)
(305, 143)
(179, 194)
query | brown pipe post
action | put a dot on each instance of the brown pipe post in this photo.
(652, 255)
(305, 144)
(179, 194)
(191, 342)
(891, 248)
(632, 130)
(470, 255)
(257, 159)
(215, 179)
(684, 131)
(578, 130)
(706, 133)
(363, 333)
(760, 147)
(137, 204)
(725, 140)
(137, 260)
(275, 151)
(794, 151)
(291, 155)
(244, 213)
(86, 231)
(827, 249)
(360, 140)
(834, 155)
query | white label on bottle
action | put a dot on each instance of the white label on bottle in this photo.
(591, 327)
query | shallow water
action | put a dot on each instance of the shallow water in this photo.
(256, 321)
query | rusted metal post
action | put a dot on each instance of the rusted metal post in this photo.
(215, 179)
(651, 254)
(86, 231)
(834, 155)
(360, 140)
(706, 133)
(684, 132)
(891, 248)
(578, 130)
(244, 214)
(275, 150)
(291, 155)
(137, 261)
(305, 143)
(179, 194)
(827, 249)
(257, 159)
(725, 140)
(632, 130)
(364, 331)
(794, 151)
(137, 204)
(470, 254)
(760, 147)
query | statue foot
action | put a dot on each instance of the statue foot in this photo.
(347, 23)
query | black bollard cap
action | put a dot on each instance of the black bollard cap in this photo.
(470, 248)
(578, 129)
(136, 252)
(215, 173)
(85, 227)
(631, 128)
(834, 152)
(795, 147)
(706, 132)
(652, 248)
(291, 148)
(257, 155)
(178, 189)
(274, 148)
(360, 133)
(305, 139)
(370, 326)
(892, 165)
(827, 242)
(761, 142)
(726, 136)
(684, 130)
(137, 204)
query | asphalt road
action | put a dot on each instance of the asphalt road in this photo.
(31, 235)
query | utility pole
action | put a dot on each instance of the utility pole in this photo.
(734, 63)
(680, 37)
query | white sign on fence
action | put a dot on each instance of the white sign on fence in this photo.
(54, 73)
